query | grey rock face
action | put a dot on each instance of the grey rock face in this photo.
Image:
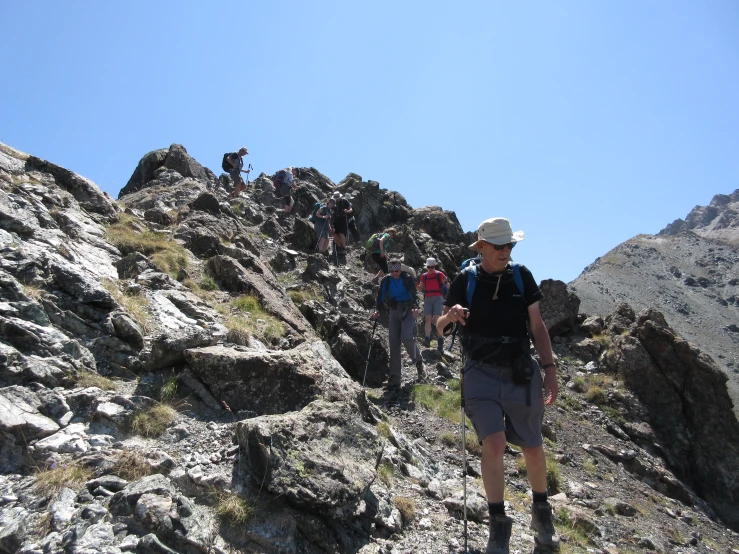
(559, 307)
(688, 406)
(316, 458)
(690, 279)
(719, 220)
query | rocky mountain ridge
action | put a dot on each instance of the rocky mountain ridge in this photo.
(180, 372)
(689, 272)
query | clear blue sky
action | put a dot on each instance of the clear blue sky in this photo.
(584, 122)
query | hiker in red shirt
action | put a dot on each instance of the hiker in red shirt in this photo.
(433, 285)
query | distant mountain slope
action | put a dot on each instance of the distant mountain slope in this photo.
(719, 220)
(691, 276)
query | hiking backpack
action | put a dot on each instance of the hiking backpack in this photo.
(372, 242)
(313, 217)
(280, 182)
(408, 283)
(442, 286)
(471, 272)
(470, 261)
(226, 163)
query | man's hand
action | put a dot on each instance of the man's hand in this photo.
(416, 311)
(458, 314)
(551, 388)
(375, 315)
(382, 254)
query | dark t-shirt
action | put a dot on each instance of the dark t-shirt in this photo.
(341, 205)
(238, 162)
(506, 316)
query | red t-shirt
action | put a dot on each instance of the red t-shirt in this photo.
(432, 285)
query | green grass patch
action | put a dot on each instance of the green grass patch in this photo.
(130, 235)
(51, 481)
(233, 509)
(89, 379)
(445, 403)
(601, 339)
(449, 439)
(596, 395)
(579, 385)
(554, 477)
(169, 389)
(386, 473)
(590, 467)
(303, 295)
(576, 533)
(247, 318)
(570, 402)
(384, 429)
(131, 466)
(154, 421)
(136, 305)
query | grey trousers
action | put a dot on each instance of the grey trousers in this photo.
(401, 331)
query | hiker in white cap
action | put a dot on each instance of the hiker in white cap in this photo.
(341, 211)
(433, 285)
(496, 305)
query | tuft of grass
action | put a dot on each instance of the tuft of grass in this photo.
(445, 403)
(407, 508)
(554, 477)
(472, 443)
(589, 467)
(384, 429)
(90, 379)
(386, 473)
(248, 318)
(596, 395)
(303, 295)
(579, 385)
(207, 283)
(570, 402)
(601, 339)
(135, 305)
(51, 481)
(154, 421)
(576, 533)
(449, 439)
(169, 389)
(131, 466)
(521, 466)
(130, 235)
(233, 509)
(33, 292)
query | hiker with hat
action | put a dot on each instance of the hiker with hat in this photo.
(495, 305)
(321, 224)
(341, 212)
(398, 290)
(378, 245)
(432, 284)
(233, 163)
(284, 183)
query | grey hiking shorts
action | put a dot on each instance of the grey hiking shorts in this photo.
(494, 403)
(432, 305)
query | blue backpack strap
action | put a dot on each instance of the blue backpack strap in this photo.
(517, 278)
(471, 282)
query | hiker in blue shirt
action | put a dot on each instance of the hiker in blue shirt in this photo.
(398, 290)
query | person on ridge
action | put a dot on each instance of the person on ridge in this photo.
(379, 255)
(284, 182)
(236, 160)
(321, 226)
(341, 212)
(501, 382)
(432, 284)
(399, 290)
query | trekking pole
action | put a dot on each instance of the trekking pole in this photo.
(372, 339)
(464, 456)
(249, 167)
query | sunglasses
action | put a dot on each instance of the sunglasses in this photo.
(394, 268)
(504, 246)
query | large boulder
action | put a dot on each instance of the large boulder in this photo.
(441, 225)
(321, 459)
(559, 307)
(271, 382)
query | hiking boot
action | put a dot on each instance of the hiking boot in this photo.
(440, 344)
(421, 371)
(541, 522)
(500, 534)
(427, 342)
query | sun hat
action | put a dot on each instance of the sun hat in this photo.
(496, 230)
(337, 195)
(430, 262)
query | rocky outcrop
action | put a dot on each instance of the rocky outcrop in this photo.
(152, 170)
(559, 307)
(689, 407)
(719, 220)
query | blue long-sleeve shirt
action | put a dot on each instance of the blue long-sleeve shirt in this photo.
(401, 289)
